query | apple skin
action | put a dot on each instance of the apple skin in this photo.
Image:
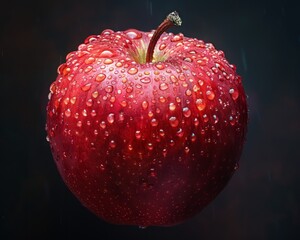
(148, 144)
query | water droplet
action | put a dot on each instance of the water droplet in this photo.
(210, 95)
(234, 93)
(150, 114)
(200, 104)
(109, 88)
(162, 99)
(193, 137)
(106, 54)
(95, 94)
(89, 60)
(123, 103)
(119, 64)
(186, 112)
(66, 101)
(86, 87)
(188, 59)
(130, 148)
(108, 61)
(133, 34)
(159, 66)
(177, 38)
(93, 113)
(145, 80)
(132, 71)
(84, 113)
(112, 144)
(205, 118)
(100, 77)
(172, 143)
(179, 133)
(103, 125)
(111, 118)
(145, 104)
(173, 121)
(201, 62)
(89, 102)
(88, 69)
(216, 119)
(47, 138)
(188, 92)
(68, 113)
(73, 100)
(196, 122)
(52, 88)
(186, 150)
(172, 106)
(161, 132)
(163, 86)
(174, 79)
(154, 122)
(164, 152)
(162, 46)
(138, 134)
(79, 124)
(150, 146)
(232, 120)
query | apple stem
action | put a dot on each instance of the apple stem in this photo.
(172, 19)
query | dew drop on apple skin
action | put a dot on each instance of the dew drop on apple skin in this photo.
(138, 134)
(160, 66)
(145, 105)
(145, 80)
(186, 112)
(172, 106)
(133, 34)
(162, 46)
(200, 104)
(109, 89)
(180, 132)
(132, 71)
(154, 122)
(106, 54)
(150, 146)
(163, 86)
(86, 87)
(232, 120)
(234, 94)
(215, 119)
(210, 95)
(103, 125)
(100, 77)
(112, 144)
(193, 137)
(173, 121)
(89, 60)
(108, 61)
(111, 118)
(79, 124)
(68, 113)
(177, 38)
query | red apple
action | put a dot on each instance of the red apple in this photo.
(146, 127)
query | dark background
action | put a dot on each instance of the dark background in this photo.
(261, 37)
